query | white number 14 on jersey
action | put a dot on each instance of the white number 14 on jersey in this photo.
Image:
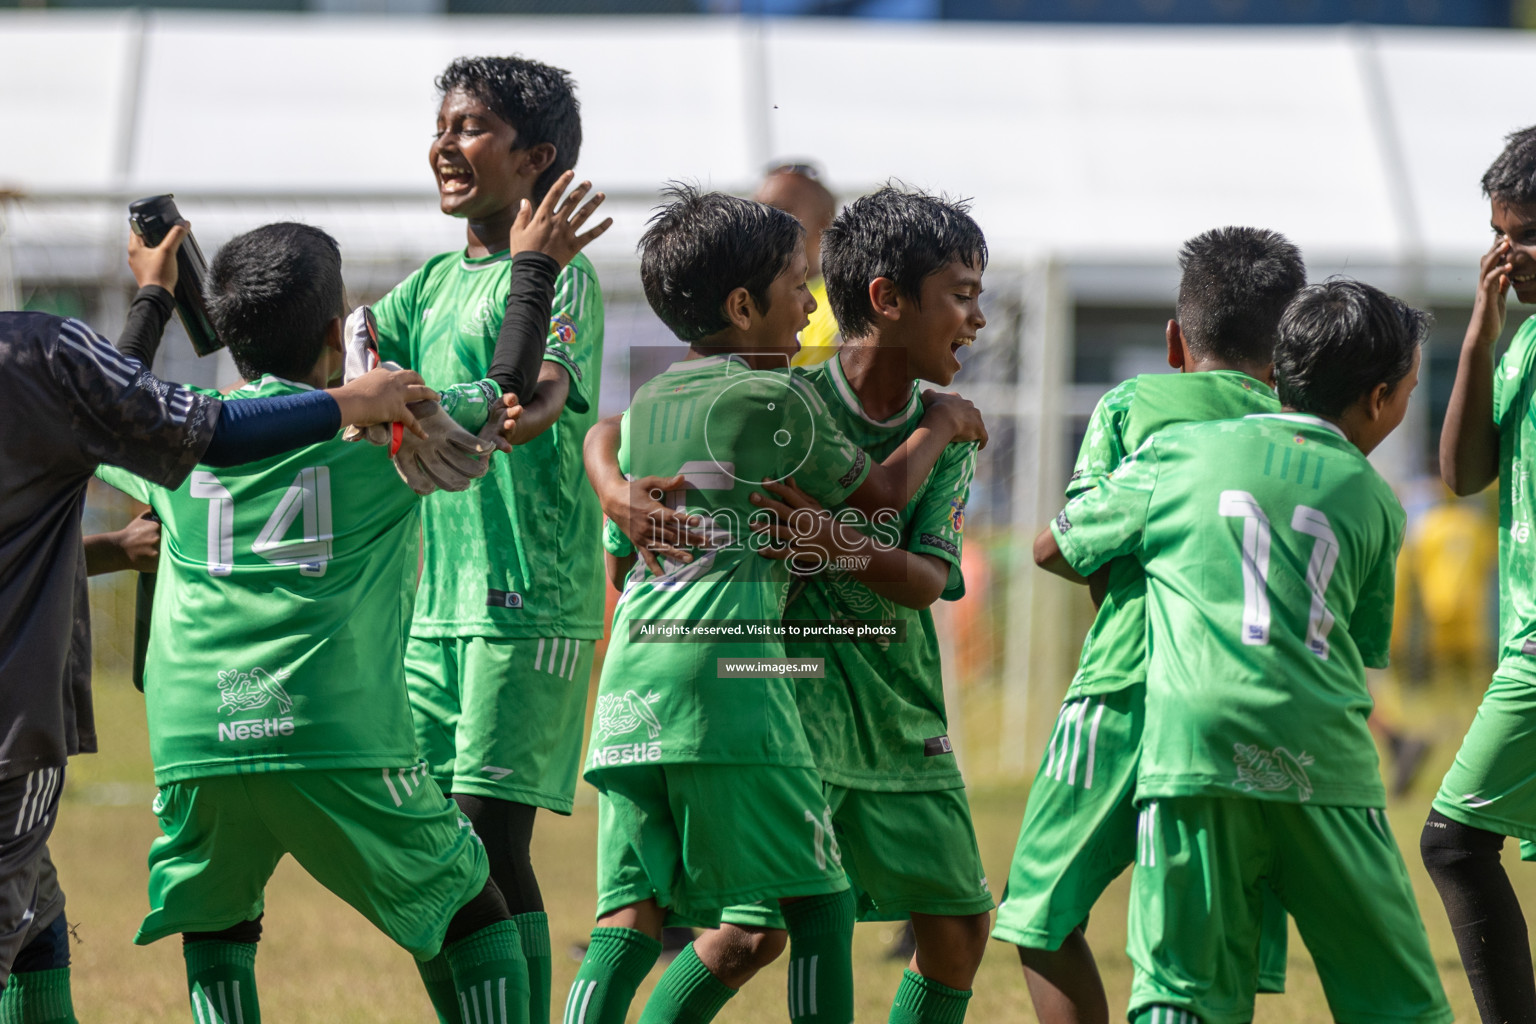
(307, 499)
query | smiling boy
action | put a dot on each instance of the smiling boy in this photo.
(709, 791)
(903, 272)
(510, 602)
(1490, 790)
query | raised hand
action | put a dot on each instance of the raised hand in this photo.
(1492, 294)
(963, 416)
(552, 228)
(157, 264)
(501, 422)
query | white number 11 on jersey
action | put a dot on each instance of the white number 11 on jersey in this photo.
(1256, 543)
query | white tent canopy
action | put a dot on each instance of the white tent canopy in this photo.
(1100, 147)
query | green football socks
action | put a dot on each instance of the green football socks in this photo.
(490, 975)
(534, 929)
(617, 960)
(687, 993)
(921, 1000)
(1164, 1015)
(38, 997)
(221, 978)
(437, 975)
(821, 958)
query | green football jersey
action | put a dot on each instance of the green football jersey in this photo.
(280, 615)
(1270, 547)
(1114, 653)
(518, 554)
(725, 428)
(1513, 383)
(877, 721)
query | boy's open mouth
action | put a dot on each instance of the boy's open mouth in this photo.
(959, 343)
(454, 179)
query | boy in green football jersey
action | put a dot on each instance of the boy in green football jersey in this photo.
(1269, 545)
(903, 272)
(709, 793)
(279, 721)
(1079, 829)
(510, 602)
(1490, 790)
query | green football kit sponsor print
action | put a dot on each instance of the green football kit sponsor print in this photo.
(719, 424)
(276, 700)
(1305, 517)
(1269, 545)
(1079, 826)
(876, 722)
(1492, 784)
(516, 557)
(281, 606)
(517, 554)
(725, 427)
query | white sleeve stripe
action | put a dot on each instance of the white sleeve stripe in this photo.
(95, 348)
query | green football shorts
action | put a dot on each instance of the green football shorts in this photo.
(501, 718)
(1197, 904)
(905, 853)
(385, 840)
(698, 838)
(1492, 784)
(1079, 831)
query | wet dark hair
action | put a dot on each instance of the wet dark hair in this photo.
(1511, 178)
(1236, 283)
(272, 294)
(701, 246)
(1339, 340)
(897, 233)
(536, 99)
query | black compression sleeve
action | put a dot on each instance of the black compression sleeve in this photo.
(256, 428)
(525, 327)
(151, 311)
(1464, 864)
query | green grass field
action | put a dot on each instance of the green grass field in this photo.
(320, 961)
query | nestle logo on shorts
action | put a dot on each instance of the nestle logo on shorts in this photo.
(255, 728)
(626, 753)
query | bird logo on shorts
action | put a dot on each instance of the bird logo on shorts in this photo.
(618, 715)
(247, 691)
(1271, 771)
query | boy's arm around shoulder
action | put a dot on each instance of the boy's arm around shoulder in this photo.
(634, 506)
(811, 538)
(892, 483)
(1103, 523)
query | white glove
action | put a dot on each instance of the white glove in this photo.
(450, 457)
(360, 344)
